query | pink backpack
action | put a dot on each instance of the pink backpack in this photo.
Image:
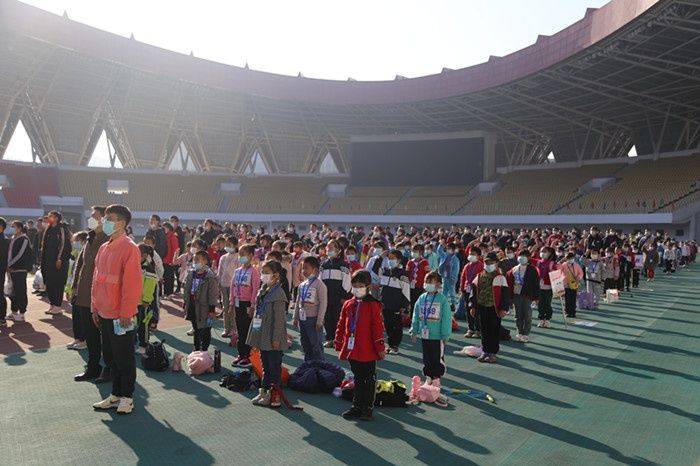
(177, 362)
(426, 393)
(200, 362)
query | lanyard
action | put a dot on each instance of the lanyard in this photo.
(240, 279)
(306, 291)
(519, 277)
(426, 310)
(266, 299)
(414, 271)
(353, 319)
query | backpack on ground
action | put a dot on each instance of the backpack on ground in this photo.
(316, 377)
(239, 381)
(155, 358)
(390, 393)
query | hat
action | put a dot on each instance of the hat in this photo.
(491, 257)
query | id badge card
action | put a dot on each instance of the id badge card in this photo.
(425, 333)
(237, 302)
(469, 288)
(517, 289)
(351, 343)
(302, 314)
(257, 323)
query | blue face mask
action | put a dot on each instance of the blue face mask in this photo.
(243, 259)
(332, 254)
(415, 255)
(10, 231)
(198, 266)
(350, 257)
(108, 227)
(393, 263)
(378, 251)
(77, 245)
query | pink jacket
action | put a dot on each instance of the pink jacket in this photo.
(228, 263)
(297, 263)
(570, 271)
(249, 278)
(117, 282)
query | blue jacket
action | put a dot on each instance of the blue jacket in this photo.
(439, 319)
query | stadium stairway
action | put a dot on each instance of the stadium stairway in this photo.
(405, 196)
(679, 198)
(580, 195)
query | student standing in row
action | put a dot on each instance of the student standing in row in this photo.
(524, 284)
(395, 298)
(310, 310)
(244, 289)
(545, 265)
(335, 274)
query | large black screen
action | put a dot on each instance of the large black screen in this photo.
(417, 163)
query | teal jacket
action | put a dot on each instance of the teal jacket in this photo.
(439, 320)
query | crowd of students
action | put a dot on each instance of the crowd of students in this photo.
(346, 290)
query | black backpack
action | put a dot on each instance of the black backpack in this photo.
(155, 358)
(239, 381)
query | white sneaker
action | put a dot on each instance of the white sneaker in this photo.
(54, 310)
(541, 324)
(18, 317)
(126, 405)
(141, 350)
(190, 332)
(469, 334)
(524, 338)
(547, 324)
(108, 403)
(517, 337)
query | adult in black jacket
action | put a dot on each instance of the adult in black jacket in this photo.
(20, 260)
(55, 254)
(4, 246)
(157, 232)
(595, 240)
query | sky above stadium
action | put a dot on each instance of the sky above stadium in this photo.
(362, 39)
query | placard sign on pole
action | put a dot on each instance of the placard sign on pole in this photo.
(558, 281)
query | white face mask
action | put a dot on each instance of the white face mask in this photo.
(193, 251)
(490, 268)
(523, 260)
(430, 287)
(266, 278)
(359, 292)
(510, 255)
(92, 223)
(472, 258)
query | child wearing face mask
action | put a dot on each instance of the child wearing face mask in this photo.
(335, 274)
(352, 259)
(310, 310)
(449, 271)
(545, 265)
(418, 267)
(268, 333)
(244, 288)
(475, 265)
(573, 274)
(432, 323)
(524, 284)
(298, 256)
(594, 276)
(359, 338)
(490, 300)
(228, 263)
(150, 282)
(201, 297)
(610, 270)
(395, 297)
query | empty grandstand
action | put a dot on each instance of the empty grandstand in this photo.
(543, 134)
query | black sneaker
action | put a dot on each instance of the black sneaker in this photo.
(105, 376)
(366, 414)
(3, 323)
(87, 375)
(352, 413)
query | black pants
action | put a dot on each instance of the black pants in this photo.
(490, 329)
(243, 325)
(202, 337)
(272, 368)
(473, 322)
(331, 320)
(365, 383)
(609, 284)
(668, 265)
(570, 302)
(635, 278)
(433, 358)
(141, 331)
(94, 345)
(81, 317)
(168, 279)
(394, 327)
(55, 281)
(119, 357)
(18, 301)
(3, 302)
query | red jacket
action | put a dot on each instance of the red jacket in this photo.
(369, 333)
(417, 270)
(173, 245)
(354, 265)
(469, 272)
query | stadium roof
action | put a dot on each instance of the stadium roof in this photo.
(626, 74)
